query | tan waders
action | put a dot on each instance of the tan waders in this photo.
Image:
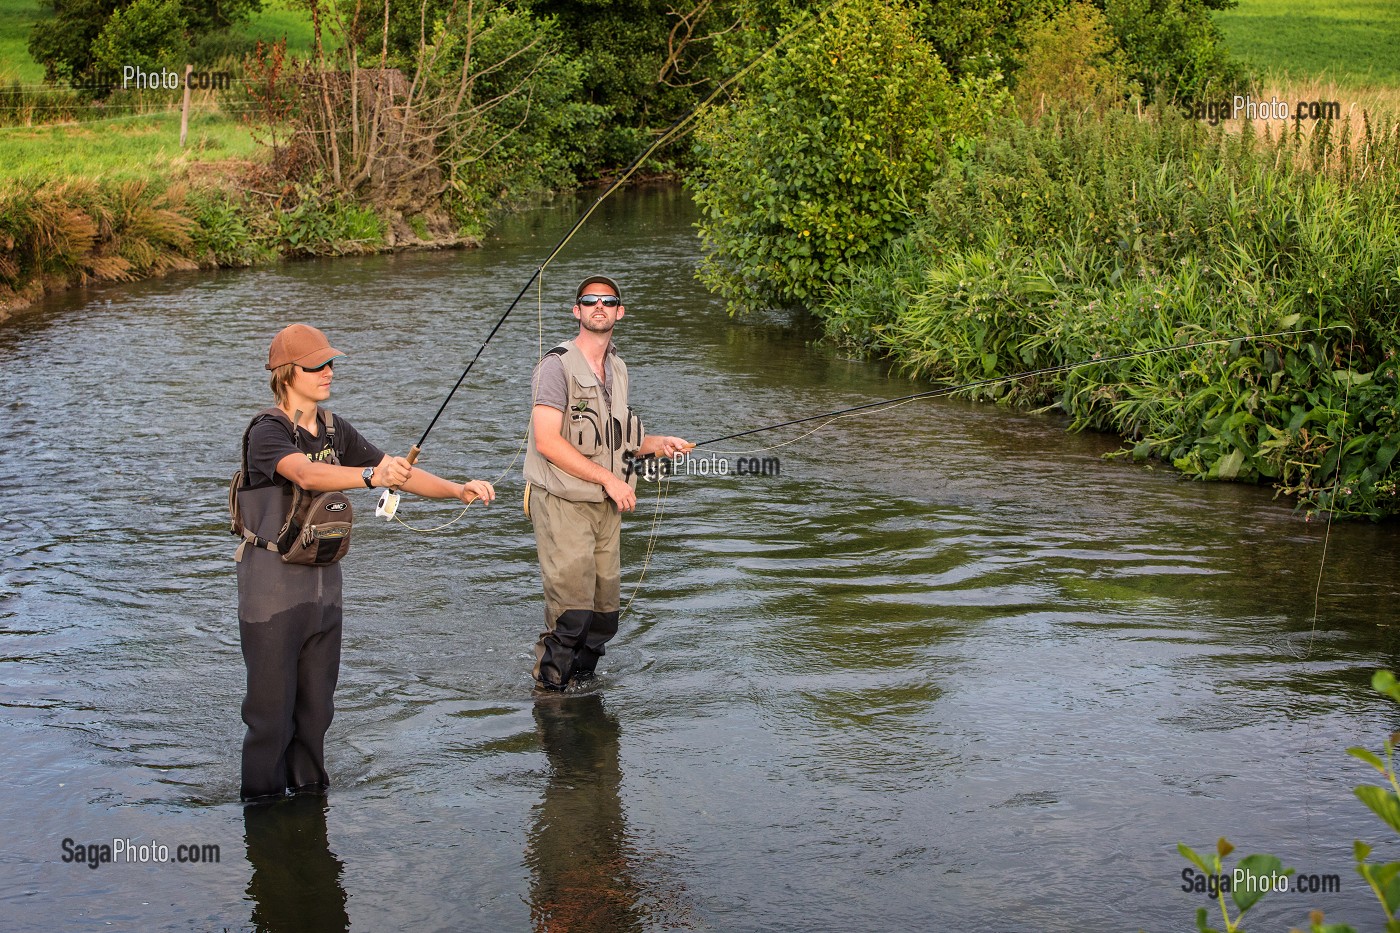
(577, 544)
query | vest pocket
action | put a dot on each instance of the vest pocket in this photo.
(585, 433)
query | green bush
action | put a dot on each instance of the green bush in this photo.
(63, 44)
(810, 169)
(539, 137)
(1082, 239)
(620, 48)
(1173, 46)
(1071, 60)
(67, 45)
(149, 34)
(325, 225)
(221, 234)
(967, 36)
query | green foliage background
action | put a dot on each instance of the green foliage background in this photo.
(66, 43)
(1079, 238)
(810, 168)
(870, 173)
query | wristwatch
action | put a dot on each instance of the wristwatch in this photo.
(368, 474)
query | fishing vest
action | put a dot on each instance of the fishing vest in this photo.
(303, 527)
(606, 433)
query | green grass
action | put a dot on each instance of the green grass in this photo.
(17, 17)
(277, 19)
(131, 147)
(1354, 43)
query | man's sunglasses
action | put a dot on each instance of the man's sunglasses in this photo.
(608, 301)
(328, 364)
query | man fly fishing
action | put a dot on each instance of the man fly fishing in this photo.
(582, 440)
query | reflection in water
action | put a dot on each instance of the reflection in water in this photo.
(296, 877)
(579, 855)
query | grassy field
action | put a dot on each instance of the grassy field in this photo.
(17, 17)
(1354, 44)
(128, 146)
(124, 147)
(277, 19)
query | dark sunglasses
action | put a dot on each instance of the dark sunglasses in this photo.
(328, 364)
(608, 301)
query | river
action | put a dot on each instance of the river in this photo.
(947, 669)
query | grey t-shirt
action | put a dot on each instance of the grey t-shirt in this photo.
(552, 386)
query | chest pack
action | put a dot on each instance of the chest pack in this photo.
(315, 527)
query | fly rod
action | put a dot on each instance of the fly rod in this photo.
(389, 499)
(671, 133)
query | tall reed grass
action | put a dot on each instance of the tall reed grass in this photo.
(59, 233)
(1081, 238)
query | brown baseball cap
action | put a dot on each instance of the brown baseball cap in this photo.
(301, 344)
(597, 280)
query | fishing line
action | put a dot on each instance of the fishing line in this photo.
(539, 337)
(663, 486)
(885, 404)
(1332, 502)
(524, 438)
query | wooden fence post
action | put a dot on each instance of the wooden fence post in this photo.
(185, 108)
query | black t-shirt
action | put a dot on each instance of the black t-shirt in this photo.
(271, 439)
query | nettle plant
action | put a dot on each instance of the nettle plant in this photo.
(1256, 875)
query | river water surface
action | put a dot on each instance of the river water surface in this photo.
(949, 669)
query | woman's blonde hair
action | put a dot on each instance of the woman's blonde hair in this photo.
(281, 378)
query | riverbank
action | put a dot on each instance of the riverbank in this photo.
(1117, 238)
(101, 182)
(58, 233)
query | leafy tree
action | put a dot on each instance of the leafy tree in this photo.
(1071, 59)
(1175, 48)
(625, 49)
(478, 107)
(970, 37)
(811, 167)
(206, 16)
(64, 44)
(149, 34)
